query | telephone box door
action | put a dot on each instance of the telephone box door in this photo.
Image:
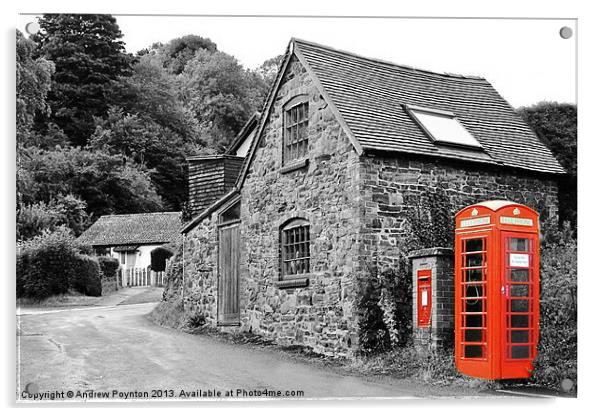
(473, 283)
(520, 309)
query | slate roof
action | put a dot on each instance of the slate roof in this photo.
(133, 229)
(369, 94)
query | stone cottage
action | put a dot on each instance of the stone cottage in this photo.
(328, 173)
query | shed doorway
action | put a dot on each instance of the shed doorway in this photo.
(228, 308)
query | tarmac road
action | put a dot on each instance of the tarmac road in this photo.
(110, 348)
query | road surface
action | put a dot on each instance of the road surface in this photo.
(117, 350)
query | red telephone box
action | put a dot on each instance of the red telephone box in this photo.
(424, 297)
(496, 290)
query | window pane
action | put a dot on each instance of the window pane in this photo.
(519, 321)
(519, 306)
(473, 335)
(519, 290)
(474, 291)
(474, 305)
(474, 260)
(519, 275)
(474, 245)
(475, 275)
(473, 351)
(445, 128)
(520, 351)
(474, 321)
(519, 336)
(519, 244)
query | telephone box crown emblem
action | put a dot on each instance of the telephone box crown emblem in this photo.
(474, 212)
(516, 211)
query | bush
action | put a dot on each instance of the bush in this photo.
(85, 275)
(51, 264)
(557, 349)
(43, 264)
(108, 266)
(158, 258)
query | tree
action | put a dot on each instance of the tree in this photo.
(88, 58)
(33, 84)
(109, 184)
(556, 126)
(174, 55)
(221, 94)
(148, 143)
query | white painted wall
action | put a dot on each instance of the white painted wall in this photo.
(141, 258)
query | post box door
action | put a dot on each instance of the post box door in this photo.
(424, 294)
(520, 294)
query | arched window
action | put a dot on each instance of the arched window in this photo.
(294, 248)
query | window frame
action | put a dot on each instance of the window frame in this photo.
(297, 279)
(300, 159)
(412, 109)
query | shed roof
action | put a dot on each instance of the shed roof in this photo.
(133, 229)
(370, 96)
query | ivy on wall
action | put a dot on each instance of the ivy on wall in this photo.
(385, 295)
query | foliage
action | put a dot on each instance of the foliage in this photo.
(196, 320)
(108, 266)
(174, 55)
(556, 125)
(88, 57)
(108, 183)
(158, 257)
(33, 84)
(557, 349)
(385, 296)
(373, 332)
(149, 144)
(268, 70)
(85, 275)
(42, 264)
(174, 269)
(222, 95)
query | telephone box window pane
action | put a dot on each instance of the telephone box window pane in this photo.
(519, 290)
(473, 335)
(519, 306)
(474, 245)
(474, 291)
(473, 351)
(474, 275)
(474, 305)
(519, 337)
(474, 321)
(474, 260)
(519, 244)
(520, 351)
(519, 275)
(519, 321)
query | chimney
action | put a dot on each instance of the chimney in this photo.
(210, 178)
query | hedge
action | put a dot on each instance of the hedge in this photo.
(51, 264)
(108, 266)
(86, 277)
(158, 258)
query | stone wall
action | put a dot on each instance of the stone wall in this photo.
(200, 270)
(326, 193)
(392, 187)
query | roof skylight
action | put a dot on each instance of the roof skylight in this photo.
(442, 126)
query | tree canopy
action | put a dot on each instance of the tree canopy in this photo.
(556, 126)
(88, 56)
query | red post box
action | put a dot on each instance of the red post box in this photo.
(496, 290)
(424, 295)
